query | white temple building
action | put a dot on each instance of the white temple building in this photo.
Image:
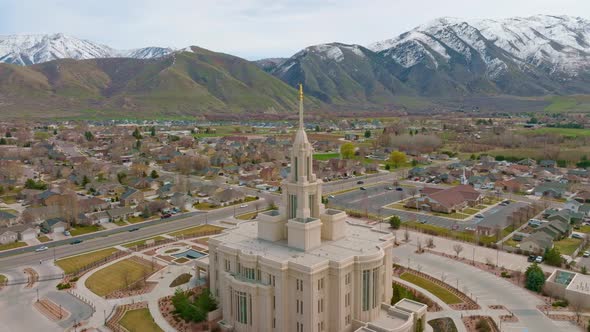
(304, 267)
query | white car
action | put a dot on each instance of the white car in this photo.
(331, 196)
(586, 254)
(539, 259)
(243, 205)
(43, 248)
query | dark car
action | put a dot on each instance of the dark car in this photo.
(531, 258)
(363, 188)
(399, 189)
(360, 182)
(76, 241)
(134, 229)
(167, 215)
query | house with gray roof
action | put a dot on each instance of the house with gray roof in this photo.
(537, 242)
(550, 189)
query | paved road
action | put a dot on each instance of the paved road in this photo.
(109, 238)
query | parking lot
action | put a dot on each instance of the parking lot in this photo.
(374, 199)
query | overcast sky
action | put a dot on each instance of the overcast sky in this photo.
(253, 28)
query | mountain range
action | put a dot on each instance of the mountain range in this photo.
(447, 58)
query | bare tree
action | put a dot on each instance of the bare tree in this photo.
(419, 245)
(407, 235)
(430, 242)
(457, 248)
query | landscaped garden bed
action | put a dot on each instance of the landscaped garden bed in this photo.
(480, 324)
(187, 311)
(448, 294)
(444, 324)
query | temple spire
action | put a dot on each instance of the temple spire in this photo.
(300, 106)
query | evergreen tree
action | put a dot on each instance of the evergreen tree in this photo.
(534, 278)
(153, 131)
(367, 133)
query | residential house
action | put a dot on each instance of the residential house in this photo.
(181, 200)
(583, 196)
(566, 216)
(226, 196)
(121, 213)
(131, 196)
(7, 218)
(556, 228)
(54, 225)
(537, 243)
(548, 163)
(512, 185)
(26, 232)
(98, 217)
(446, 200)
(8, 236)
(550, 189)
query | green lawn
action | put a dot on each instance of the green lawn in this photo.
(202, 229)
(326, 156)
(2, 278)
(454, 215)
(584, 229)
(12, 245)
(80, 230)
(73, 263)
(117, 276)
(140, 242)
(441, 231)
(43, 238)
(134, 220)
(565, 132)
(567, 246)
(440, 292)
(120, 223)
(139, 320)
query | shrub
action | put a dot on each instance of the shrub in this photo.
(505, 274)
(74, 279)
(482, 325)
(63, 285)
(560, 303)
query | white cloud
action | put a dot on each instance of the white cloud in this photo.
(252, 28)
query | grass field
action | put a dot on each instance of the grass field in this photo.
(140, 242)
(139, 320)
(195, 231)
(120, 223)
(2, 278)
(440, 292)
(454, 215)
(73, 263)
(584, 229)
(117, 276)
(567, 246)
(579, 103)
(566, 132)
(43, 239)
(326, 156)
(12, 245)
(80, 230)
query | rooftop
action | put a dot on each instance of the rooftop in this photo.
(580, 283)
(360, 240)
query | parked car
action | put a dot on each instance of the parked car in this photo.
(577, 236)
(43, 248)
(76, 242)
(244, 205)
(360, 182)
(586, 254)
(399, 189)
(363, 188)
(531, 258)
(539, 259)
(166, 215)
(479, 215)
(67, 233)
(331, 196)
(389, 188)
(455, 227)
(134, 229)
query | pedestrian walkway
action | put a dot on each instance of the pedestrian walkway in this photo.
(485, 288)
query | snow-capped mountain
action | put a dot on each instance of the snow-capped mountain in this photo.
(554, 44)
(32, 49)
(448, 57)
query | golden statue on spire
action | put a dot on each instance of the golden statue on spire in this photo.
(300, 105)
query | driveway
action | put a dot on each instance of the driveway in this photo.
(485, 288)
